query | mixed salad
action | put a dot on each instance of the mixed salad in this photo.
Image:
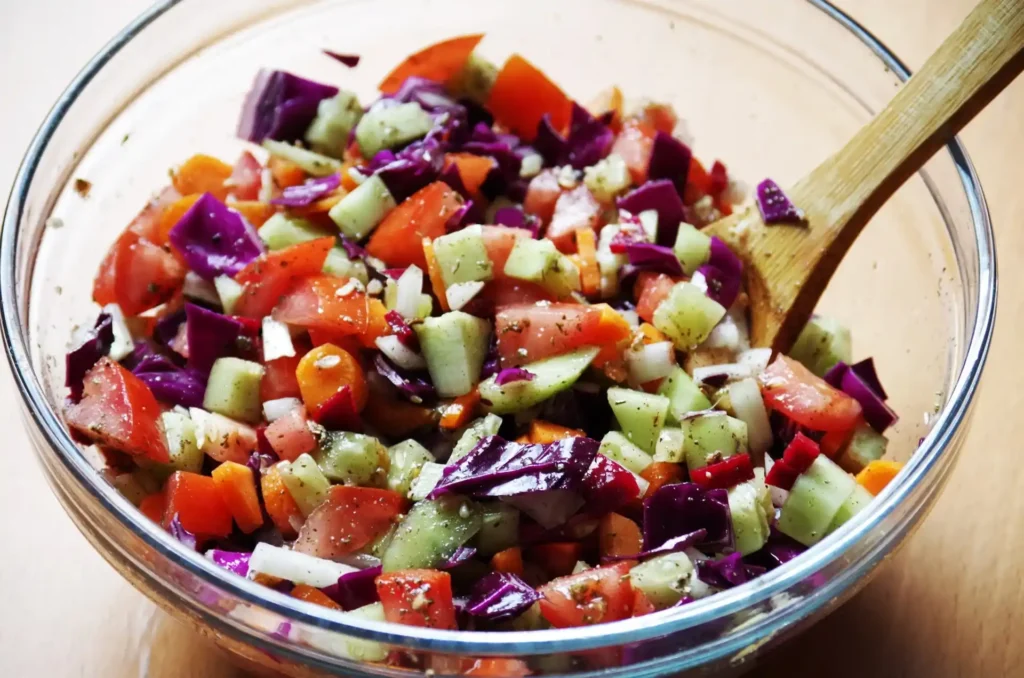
(463, 358)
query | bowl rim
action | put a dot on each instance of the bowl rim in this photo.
(760, 591)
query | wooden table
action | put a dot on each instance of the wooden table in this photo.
(950, 604)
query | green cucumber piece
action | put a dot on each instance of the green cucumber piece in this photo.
(474, 433)
(423, 310)
(865, 446)
(180, 433)
(641, 415)
(474, 80)
(407, 458)
(233, 389)
(619, 449)
(462, 257)
(692, 248)
(649, 222)
(354, 459)
(229, 291)
(499, 528)
(365, 650)
(431, 532)
(710, 435)
(664, 579)
(311, 163)
(335, 119)
(815, 500)
(684, 395)
(687, 315)
(305, 482)
(454, 345)
(339, 265)
(608, 178)
(426, 481)
(281, 231)
(671, 445)
(381, 127)
(550, 376)
(749, 517)
(540, 262)
(821, 344)
(853, 505)
(363, 208)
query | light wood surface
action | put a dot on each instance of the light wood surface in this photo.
(950, 604)
(790, 265)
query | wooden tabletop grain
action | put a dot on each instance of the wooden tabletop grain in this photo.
(950, 604)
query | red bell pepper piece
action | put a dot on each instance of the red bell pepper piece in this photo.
(724, 474)
(801, 453)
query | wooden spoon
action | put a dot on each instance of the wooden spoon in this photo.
(788, 266)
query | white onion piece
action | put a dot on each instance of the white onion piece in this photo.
(700, 281)
(755, 358)
(651, 361)
(300, 568)
(266, 185)
(410, 286)
(400, 354)
(195, 287)
(778, 495)
(426, 481)
(122, 345)
(748, 405)
(549, 508)
(731, 371)
(277, 340)
(641, 483)
(725, 335)
(460, 294)
(275, 409)
(631, 317)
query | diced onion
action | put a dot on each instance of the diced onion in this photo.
(410, 286)
(725, 335)
(122, 345)
(299, 568)
(700, 281)
(651, 361)
(459, 294)
(756, 359)
(730, 371)
(748, 405)
(275, 409)
(266, 185)
(400, 354)
(531, 165)
(195, 287)
(550, 508)
(277, 340)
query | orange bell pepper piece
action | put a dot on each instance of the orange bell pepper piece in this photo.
(545, 432)
(460, 411)
(590, 274)
(203, 174)
(237, 488)
(281, 507)
(324, 371)
(522, 94)
(878, 474)
(438, 62)
(434, 273)
(510, 561)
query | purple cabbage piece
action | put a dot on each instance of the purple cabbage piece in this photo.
(865, 369)
(589, 140)
(280, 106)
(211, 335)
(724, 258)
(860, 381)
(215, 240)
(775, 206)
(146, 358)
(515, 217)
(777, 551)
(727, 572)
(608, 485)
(645, 256)
(723, 273)
(353, 249)
(459, 218)
(183, 387)
(166, 329)
(412, 168)
(308, 192)
(500, 596)
(451, 176)
(499, 468)
(413, 388)
(670, 159)
(259, 462)
(513, 374)
(662, 197)
(673, 545)
(181, 534)
(235, 561)
(350, 60)
(461, 555)
(492, 364)
(355, 589)
(683, 508)
(551, 145)
(80, 359)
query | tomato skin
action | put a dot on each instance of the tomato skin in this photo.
(574, 210)
(651, 289)
(791, 389)
(634, 145)
(398, 239)
(522, 94)
(118, 410)
(246, 177)
(499, 241)
(314, 303)
(197, 502)
(290, 435)
(279, 379)
(269, 278)
(530, 332)
(595, 596)
(541, 195)
(418, 598)
(348, 520)
(137, 274)
(438, 62)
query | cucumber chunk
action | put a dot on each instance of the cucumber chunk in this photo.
(474, 433)
(499, 528)
(641, 415)
(749, 515)
(388, 127)
(363, 208)
(281, 231)
(305, 482)
(233, 389)
(339, 265)
(608, 178)
(407, 458)
(619, 449)
(454, 345)
(423, 310)
(354, 459)
(431, 532)
(692, 248)
(865, 446)
(335, 119)
(710, 435)
(311, 163)
(684, 395)
(671, 445)
(229, 291)
(687, 315)
(814, 501)
(649, 222)
(540, 262)
(365, 650)
(180, 434)
(462, 257)
(853, 505)
(474, 80)
(821, 344)
(666, 579)
(550, 376)
(426, 481)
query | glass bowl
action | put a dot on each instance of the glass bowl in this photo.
(771, 88)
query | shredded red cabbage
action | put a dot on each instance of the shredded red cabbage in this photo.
(355, 589)
(551, 145)
(180, 533)
(515, 217)
(859, 381)
(727, 572)
(683, 508)
(775, 206)
(662, 197)
(670, 159)
(350, 60)
(234, 561)
(413, 388)
(673, 545)
(645, 256)
(412, 168)
(211, 335)
(462, 554)
(459, 218)
(215, 240)
(80, 359)
(500, 596)
(180, 386)
(513, 374)
(280, 106)
(308, 192)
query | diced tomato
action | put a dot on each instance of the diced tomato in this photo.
(398, 240)
(499, 667)
(541, 195)
(613, 335)
(522, 94)
(196, 501)
(319, 302)
(348, 520)
(245, 180)
(618, 536)
(503, 292)
(154, 506)
(118, 410)
(651, 289)
(791, 389)
(203, 174)
(439, 62)
(660, 116)
(724, 474)
(339, 412)
(399, 417)
(499, 241)
(473, 170)
(237, 487)
(271, 276)
(290, 435)
(556, 558)
(147, 222)
(781, 475)
(137, 274)
(280, 504)
(595, 596)
(530, 332)
(574, 210)
(641, 604)
(326, 370)
(255, 212)
(279, 379)
(801, 453)
(418, 598)
(634, 145)
(698, 182)
(718, 177)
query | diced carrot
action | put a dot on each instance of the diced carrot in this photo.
(522, 94)
(285, 172)
(651, 334)
(460, 411)
(473, 170)
(618, 536)
(173, 214)
(254, 211)
(314, 595)
(523, 440)
(154, 505)
(510, 561)
(590, 274)
(281, 507)
(438, 62)
(203, 174)
(268, 580)
(545, 432)
(319, 207)
(498, 667)
(324, 371)
(376, 322)
(237, 489)
(557, 558)
(661, 473)
(876, 475)
(613, 335)
(434, 273)
(398, 417)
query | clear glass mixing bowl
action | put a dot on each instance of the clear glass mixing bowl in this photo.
(771, 88)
